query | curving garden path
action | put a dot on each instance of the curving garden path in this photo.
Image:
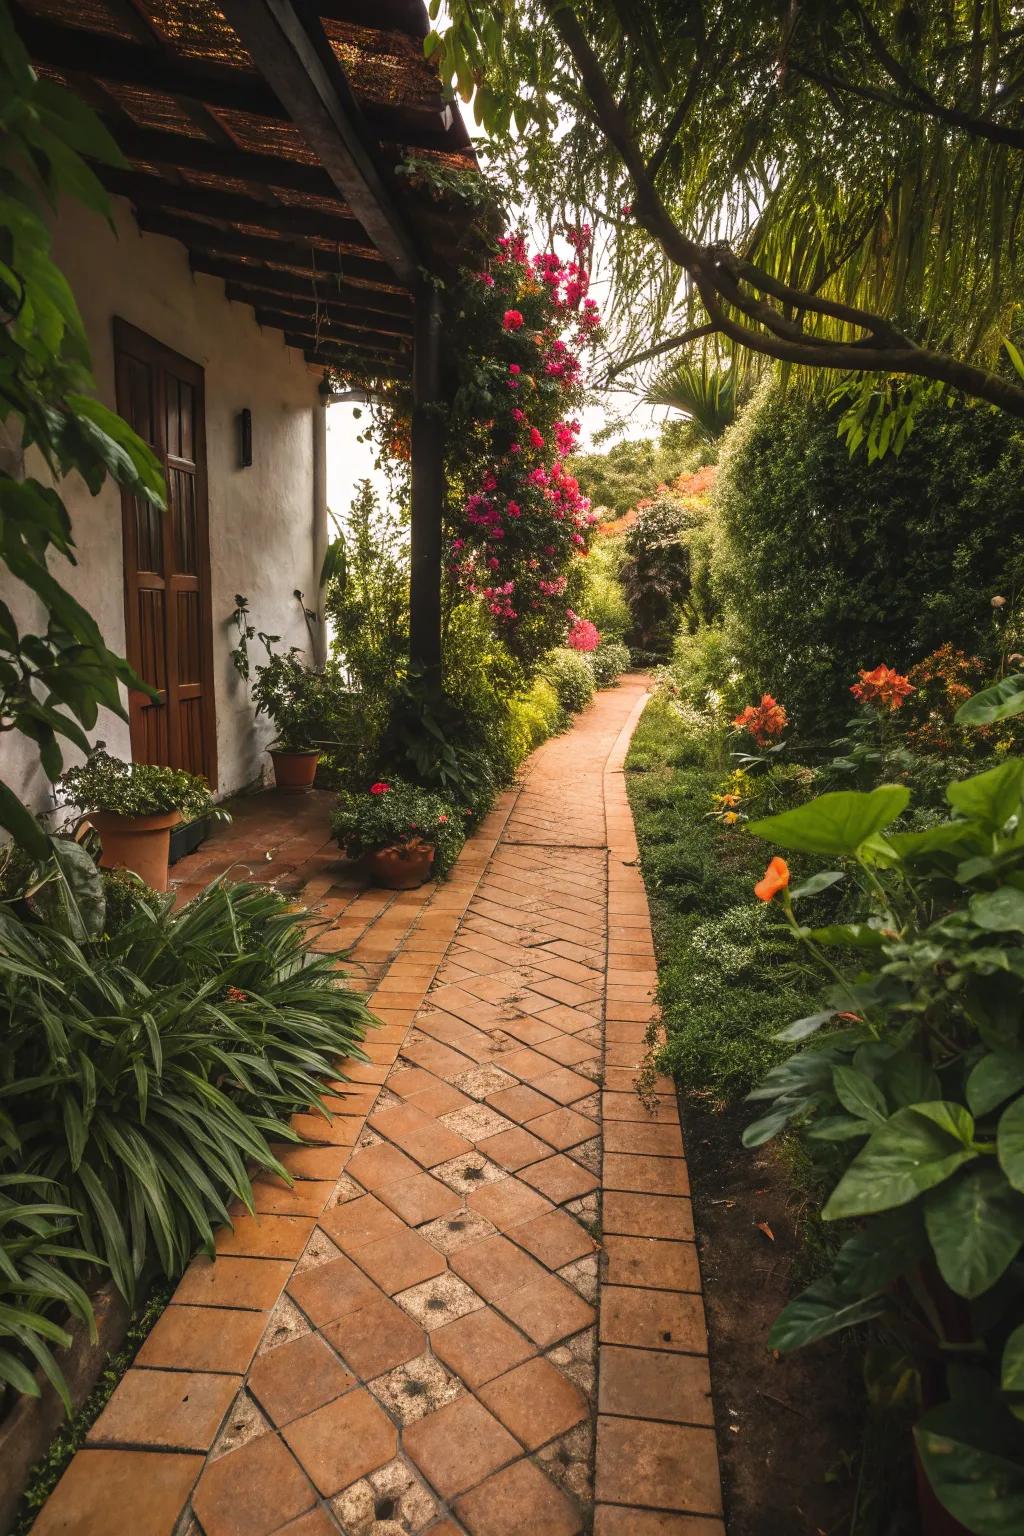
(484, 1258)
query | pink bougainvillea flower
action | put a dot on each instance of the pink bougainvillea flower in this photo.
(379, 788)
(512, 320)
(583, 635)
(536, 438)
(486, 279)
(514, 368)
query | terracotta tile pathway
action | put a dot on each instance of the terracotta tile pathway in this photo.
(421, 1335)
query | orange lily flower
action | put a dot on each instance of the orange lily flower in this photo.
(774, 880)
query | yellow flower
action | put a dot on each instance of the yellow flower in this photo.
(730, 818)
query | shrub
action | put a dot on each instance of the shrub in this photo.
(608, 662)
(105, 783)
(164, 1058)
(538, 713)
(570, 676)
(826, 564)
(656, 573)
(302, 702)
(601, 598)
(397, 814)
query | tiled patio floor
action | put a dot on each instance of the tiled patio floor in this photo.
(467, 1278)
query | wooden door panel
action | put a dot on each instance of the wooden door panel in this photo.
(167, 563)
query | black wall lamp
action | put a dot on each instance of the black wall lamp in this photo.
(244, 438)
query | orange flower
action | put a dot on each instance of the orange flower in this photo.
(774, 880)
(884, 687)
(764, 721)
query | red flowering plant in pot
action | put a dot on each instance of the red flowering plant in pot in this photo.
(517, 519)
(403, 833)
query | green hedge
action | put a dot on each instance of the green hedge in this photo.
(825, 563)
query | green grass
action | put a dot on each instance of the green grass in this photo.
(729, 977)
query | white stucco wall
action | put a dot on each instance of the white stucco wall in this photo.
(266, 522)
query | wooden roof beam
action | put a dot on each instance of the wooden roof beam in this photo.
(323, 288)
(320, 103)
(331, 357)
(306, 310)
(228, 242)
(328, 331)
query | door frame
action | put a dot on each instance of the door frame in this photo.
(130, 340)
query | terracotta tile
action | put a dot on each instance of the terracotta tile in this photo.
(513, 1149)
(571, 1020)
(436, 1144)
(442, 1099)
(356, 1223)
(507, 1202)
(546, 1311)
(297, 1377)
(343, 1441)
(560, 1178)
(654, 1384)
(563, 1128)
(315, 1523)
(668, 1320)
(555, 1238)
(525, 1064)
(251, 1284)
(376, 1337)
(341, 1130)
(171, 1410)
(629, 1136)
(640, 1174)
(400, 1261)
(568, 1051)
(518, 1500)
(406, 1081)
(420, 1199)
(458, 1446)
(494, 1267)
(647, 1215)
(148, 1489)
(203, 1339)
(311, 1162)
(328, 1291)
(381, 1165)
(535, 1401)
(563, 1085)
(252, 1491)
(519, 1103)
(479, 1346)
(530, 1030)
(652, 1261)
(664, 1466)
(613, 1520)
(271, 1197)
(267, 1237)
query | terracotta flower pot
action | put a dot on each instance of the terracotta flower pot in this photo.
(294, 772)
(139, 843)
(400, 868)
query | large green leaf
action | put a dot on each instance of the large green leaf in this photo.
(994, 1078)
(836, 823)
(70, 896)
(859, 1095)
(975, 1223)
(992, 797)
(916, 1149)
(18, 820)
(999, 702)
(999, 911)
(821, 1310)
(1010, 1143)
(982, 1488)
(884, 1248)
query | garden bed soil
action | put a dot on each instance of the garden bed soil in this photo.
(789, 1429)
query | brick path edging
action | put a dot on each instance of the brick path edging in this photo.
(248, 1412)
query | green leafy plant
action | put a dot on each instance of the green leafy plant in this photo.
(396, 814)
(105, 783)
(51, 683)
(307, 705)
(910, 1078)
(37, 1292)
(608, 662)
(572, 678)
(146, 1071)
(366, 573)
(657, 573)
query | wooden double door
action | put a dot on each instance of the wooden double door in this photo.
(167, 559)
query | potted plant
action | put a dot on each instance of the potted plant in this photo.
(301, 703)
(133, 807)
(402, 833)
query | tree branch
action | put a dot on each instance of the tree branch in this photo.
(717, 272)
(695, 334)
